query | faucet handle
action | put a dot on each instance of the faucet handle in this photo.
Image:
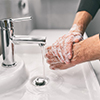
(7, 23)
(22, 19)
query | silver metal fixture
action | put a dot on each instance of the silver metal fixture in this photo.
(23, 6)
(8, 39)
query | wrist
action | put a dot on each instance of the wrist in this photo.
(79, 54)
(86, 50)
(76, 28)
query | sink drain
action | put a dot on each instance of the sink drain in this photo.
(39, 81)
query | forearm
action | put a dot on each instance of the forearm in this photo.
(82, 19)
(83, 51)
(86, 50)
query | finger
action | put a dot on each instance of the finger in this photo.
(70, 51)
(55, 66)
(56, 50)
(59, 54)
(63, 66)
(49, 55)
(60, 66)
(53, 50)
(77, 38)
(65, 54)
(53, 61)
(48, 48)
(60, 51)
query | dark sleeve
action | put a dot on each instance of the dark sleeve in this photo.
(91, 6)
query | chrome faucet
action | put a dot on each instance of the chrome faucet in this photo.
(8, 39)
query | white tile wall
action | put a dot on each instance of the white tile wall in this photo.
(47, 14)
(10, 9)
(58, 14)
(53, 14)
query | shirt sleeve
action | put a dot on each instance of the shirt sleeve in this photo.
(91, 6)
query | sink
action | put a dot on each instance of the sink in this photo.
(78, 83)
(12, 79)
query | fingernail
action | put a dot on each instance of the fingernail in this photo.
(62, 61)
(69, 56)
(52, 67)
(67, 62)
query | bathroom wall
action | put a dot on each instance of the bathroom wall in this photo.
(58, 14)
(94, 26)
(46, 14)
(53, 14)
(11, 9)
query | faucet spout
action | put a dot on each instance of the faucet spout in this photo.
(8, 39)
(18, 39)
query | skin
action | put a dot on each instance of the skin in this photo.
(83, 51)
(82, 19)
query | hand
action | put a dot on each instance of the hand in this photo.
(55, 62)
(62, 48)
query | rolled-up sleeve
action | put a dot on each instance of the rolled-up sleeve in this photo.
(91, 6)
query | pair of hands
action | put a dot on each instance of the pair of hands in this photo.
(59, 55)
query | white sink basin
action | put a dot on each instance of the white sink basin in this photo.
(12, 79)
(79, 82)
